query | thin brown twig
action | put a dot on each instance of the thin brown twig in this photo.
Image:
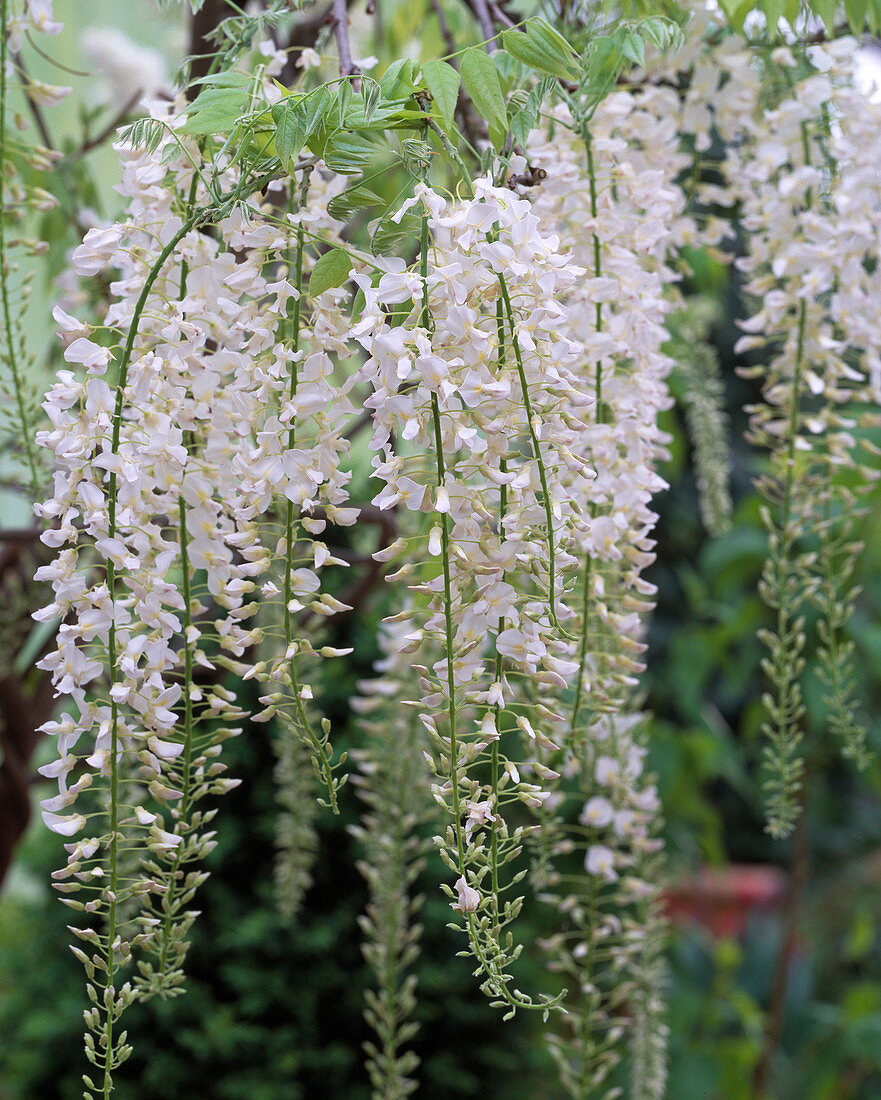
(20, 534)
(480, 8)
(500, 16)
(35, 109)
(359, 589)
(341, 31)
(363, 420)
(93, 142)
(446, 33)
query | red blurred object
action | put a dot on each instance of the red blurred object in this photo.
(723, 899)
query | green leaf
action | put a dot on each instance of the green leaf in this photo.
(350, 154)
(482, 84)
(332, 269)
(416, 156)
(541, 32)
(290, 134)
(662, 32)
(317, 105)
(351, 201)
(526, 118)
(397, 81)
(604, 60)
(372, 94)
(518, 45)
(633, 48)
(790, 11)
(442, 81)
(358, 303)
(336, 116)
(541, 48)
(737, 11)
(224, 80)
(827, 11)
(855, 10)
(215, 111)
(773, 10)
(388, 235)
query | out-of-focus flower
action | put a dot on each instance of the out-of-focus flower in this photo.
(128, 69)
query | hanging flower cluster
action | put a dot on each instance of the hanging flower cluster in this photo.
(612, 191)
(221, 410)
(810, 184)
(477, 385)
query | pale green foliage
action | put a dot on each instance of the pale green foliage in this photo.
(21, 385)
(296, 841)
(19, 380)
(836, 595)
(785, 584)
(649, 976)
(393, 783)
(703, 397)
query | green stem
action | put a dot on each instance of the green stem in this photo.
(589, 996)
(317, 743)
(503, 507)
(496, 977)
(598, 397)
(536, 450)
(186, 786)
(112, 855)
(195, 219)
(453, 153)
(785, 677)
(448, 636)
(426, 323)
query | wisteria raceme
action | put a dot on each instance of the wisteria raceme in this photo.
(616, 179)
(167, 480)
(393, 782)
(619, 314)
(482, 362)
(810, 182)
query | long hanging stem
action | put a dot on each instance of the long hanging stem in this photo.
(187, 755)
(426, 323)
(598, 397)
(786, 712)
(112, 855)
(498, 981)
(494, 763)
(536, 449)
(317, 743)
(5, 268)
(183, 537)
(589, 994)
